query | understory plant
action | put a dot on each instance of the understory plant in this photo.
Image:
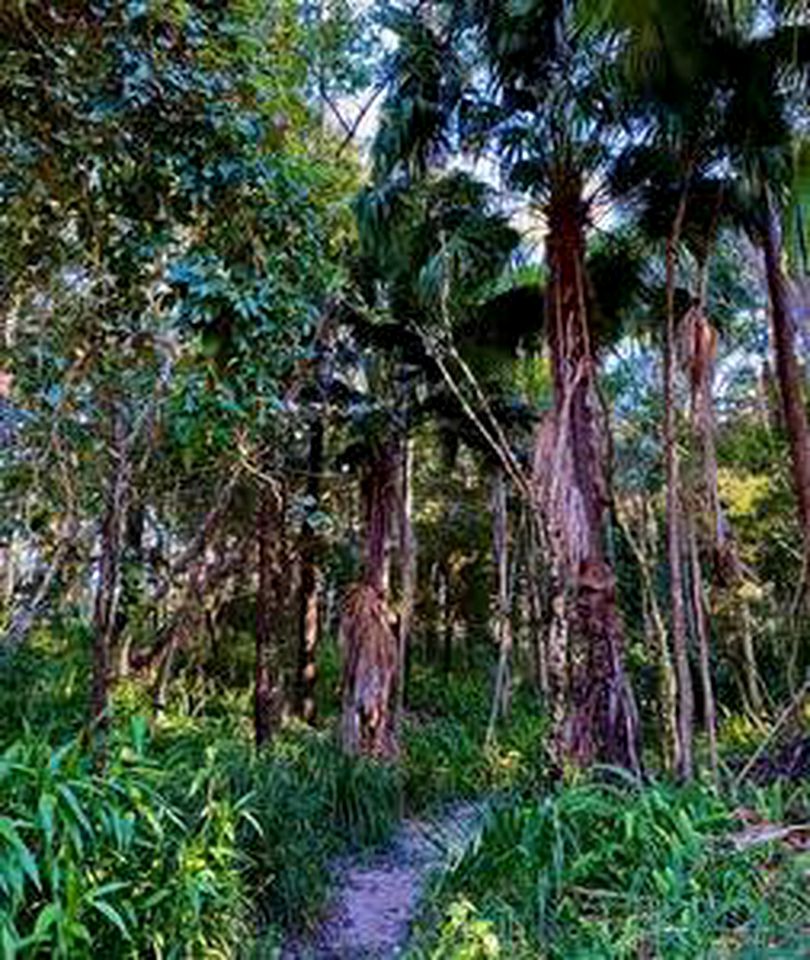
(179, 842)
(614, 870)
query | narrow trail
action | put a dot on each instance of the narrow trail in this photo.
(376, 897)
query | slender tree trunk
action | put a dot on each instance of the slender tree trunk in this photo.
(25, 617)
(445, 617)
(537, 637)
(729, 573)
(109, 572)
(752, 681)
(503, 624)
(788, 374)
(9, 571)
(684, 762)
(308, 624)
(601, 722)
(268, 611)
(407, 550)
(702, 630)
(131, 580)
(644, 550)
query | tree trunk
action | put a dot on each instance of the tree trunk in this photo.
(369, 643)
(788, 374)
(24, 618)
(684, 762)
(503, 623)
(131, 585)
(269, 513)
(407, 552)
(601, 720)
(702, 630)
(644, 551)
(308, 625)
(445, 616)
(729, 573)
(539, 652)
(109, 573)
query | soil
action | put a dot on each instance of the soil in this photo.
(377, 896)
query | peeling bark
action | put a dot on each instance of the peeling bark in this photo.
(598, 720)
(368, 721)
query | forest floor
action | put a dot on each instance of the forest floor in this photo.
(376, 896)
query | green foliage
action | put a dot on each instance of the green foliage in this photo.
(463, 936)
(445, 754)
(608, 869)
(106, 864)
(183, 839)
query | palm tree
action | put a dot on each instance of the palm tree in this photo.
(541, 100)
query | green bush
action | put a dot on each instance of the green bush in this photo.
(105, 865)
(183, 839)
(601, 870)
(309, 803)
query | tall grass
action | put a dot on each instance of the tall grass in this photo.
(445, 755)
(106, 865)
(614, 871)
(187, 845)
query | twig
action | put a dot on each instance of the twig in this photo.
(785, 715)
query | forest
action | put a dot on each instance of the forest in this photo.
(405, 479)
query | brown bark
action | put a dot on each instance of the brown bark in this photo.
(684, 761)
(308, 624)
(369, 644)
(407, 552)
(369, 673)
(788, 374)
(269, 520)
(586, 644)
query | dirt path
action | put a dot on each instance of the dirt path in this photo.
(376, 897)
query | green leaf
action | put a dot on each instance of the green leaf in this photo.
(108, 911)
(45, 812)
(48, 916)
(70, 799)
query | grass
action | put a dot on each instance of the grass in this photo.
(445, 755)
(187, 844)
(191, 845)
(611, 870)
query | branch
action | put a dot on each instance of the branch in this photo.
(24, 619)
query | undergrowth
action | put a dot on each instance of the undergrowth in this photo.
(445, 756)
(186, 843)
(608, 870)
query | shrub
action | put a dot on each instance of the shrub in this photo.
(183, 838)
(445, 756)
(105, 865)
